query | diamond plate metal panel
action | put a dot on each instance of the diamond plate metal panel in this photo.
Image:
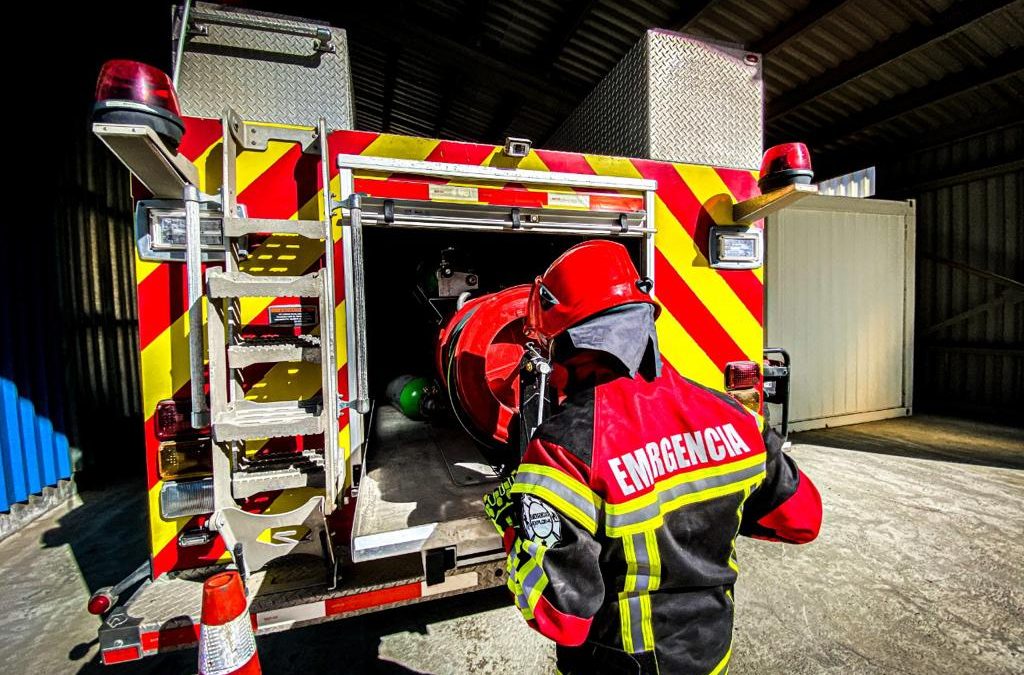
(612, 120)
(674, 98)
(706, 102)
(265, 75)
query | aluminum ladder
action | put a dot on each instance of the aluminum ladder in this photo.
(233, 419)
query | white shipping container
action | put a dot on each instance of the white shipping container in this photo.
(840, 299)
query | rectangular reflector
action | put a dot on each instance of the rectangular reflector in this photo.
(183, 498)
(742, 375)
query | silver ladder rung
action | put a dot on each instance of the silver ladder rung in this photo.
(276, 350)
(239, 227)
(245, 420)
(222, 284)
(304, 470)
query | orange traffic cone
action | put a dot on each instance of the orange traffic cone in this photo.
(227, 645)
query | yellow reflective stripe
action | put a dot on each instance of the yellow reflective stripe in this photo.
(625, 625)
(734, 561)
(629, 550)
(723, 664)
(646, 626)
(562, 505)
(579, 488)
(691, 498)
(689, 477)
(654, 560)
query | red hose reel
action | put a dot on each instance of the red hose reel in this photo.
(478, 357)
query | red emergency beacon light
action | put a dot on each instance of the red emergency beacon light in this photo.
(129, 92)
(785, 164)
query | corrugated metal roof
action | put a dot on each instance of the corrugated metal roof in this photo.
(864, 74)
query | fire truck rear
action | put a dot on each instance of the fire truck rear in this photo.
(330, 320)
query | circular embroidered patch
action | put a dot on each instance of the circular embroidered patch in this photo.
(540, 521)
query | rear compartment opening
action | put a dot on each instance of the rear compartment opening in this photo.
(422, 480)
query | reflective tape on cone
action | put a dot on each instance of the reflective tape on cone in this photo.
(227, 645)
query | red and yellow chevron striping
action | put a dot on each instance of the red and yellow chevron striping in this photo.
(711, 316)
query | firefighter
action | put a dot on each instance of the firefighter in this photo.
(620, 523)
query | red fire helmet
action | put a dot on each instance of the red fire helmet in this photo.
(586, 280)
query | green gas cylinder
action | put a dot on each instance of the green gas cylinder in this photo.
(406, 393)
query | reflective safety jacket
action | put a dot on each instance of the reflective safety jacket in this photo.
(629, 502)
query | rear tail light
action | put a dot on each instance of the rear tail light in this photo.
(129, 92)
(101, 601)
(183, 498)
(173, 421)
(185, 458)
(742, 375)
(784, 165)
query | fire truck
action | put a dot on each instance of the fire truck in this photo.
(334, 368)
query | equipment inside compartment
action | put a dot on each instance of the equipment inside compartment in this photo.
(415, 281)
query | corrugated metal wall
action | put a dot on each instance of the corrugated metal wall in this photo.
(96, 241)
(970, 272)
(34, 434)
(838, 276)
(69, 381)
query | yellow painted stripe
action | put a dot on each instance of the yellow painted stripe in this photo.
(210, 176)
(679, 249)
(709, 188)
(254, 163)
(612, 166)
(406, 147)
(684, 354)
(680, 479)
(165, 365)
(759, 272)
(162, 532)
(143, 268)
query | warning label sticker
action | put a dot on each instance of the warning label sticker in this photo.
(564, 199)
(292, 315)
(456, 192)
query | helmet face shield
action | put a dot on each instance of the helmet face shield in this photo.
(587, 279)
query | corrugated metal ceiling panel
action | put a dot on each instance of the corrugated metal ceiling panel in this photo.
(876, 72)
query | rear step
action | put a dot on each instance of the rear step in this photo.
(274, 350)
(241, 285)
(240, 227)
(244, 421)
(278, 472)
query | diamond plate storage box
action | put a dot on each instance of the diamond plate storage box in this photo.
(675, 98)
(266, 67)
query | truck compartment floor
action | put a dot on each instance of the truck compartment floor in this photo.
(421, 488)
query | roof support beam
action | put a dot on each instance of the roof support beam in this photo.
(455, 55)
(1001, 67)
(798, 23)
(556, 43)
(687, 14)
(390, 73)
(880, 153)
(915, 37)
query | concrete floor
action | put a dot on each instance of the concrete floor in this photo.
(918, 570)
